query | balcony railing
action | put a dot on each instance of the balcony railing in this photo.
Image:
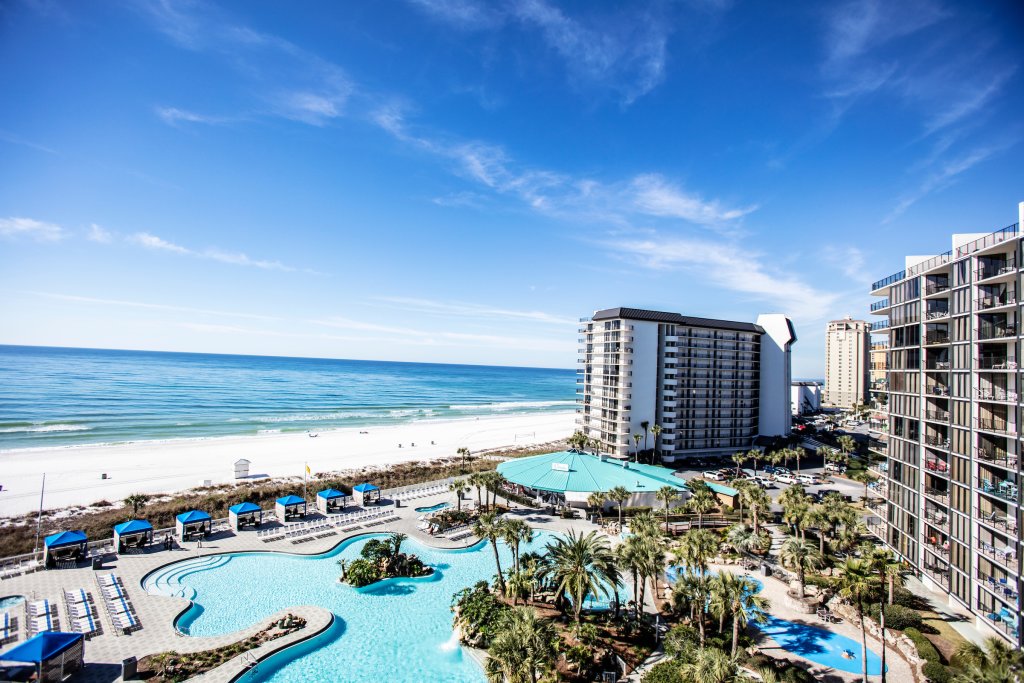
(996, 455)
(1006, 490)
(938, 365)
(937, 415)
(994, 269)
(936, 338)
(998, 519)
(879, 325)
(996, 394)
(937, 390)
(879, 305)
(1005, 554)
(895, 277)
(936, 466)
(941, 496)
(941, 550)
(937, 520)
(996, 363)
(1001, 586)
(938, 313)
(995, 301)
(993, 425)
(1000, 332)
(935, 288)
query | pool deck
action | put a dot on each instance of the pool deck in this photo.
(775, 591)
(157, 613)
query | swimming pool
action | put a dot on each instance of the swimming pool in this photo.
(400, 630)
(813, 643)
(11, 601)
(434, 508)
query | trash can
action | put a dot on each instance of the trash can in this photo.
(97, 563)
(129, 668)
(766, 569)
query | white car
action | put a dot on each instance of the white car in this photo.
(807, 479)
(714, 475)
(785, 478)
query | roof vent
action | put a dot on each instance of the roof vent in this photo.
(603, 457)
(625, 464)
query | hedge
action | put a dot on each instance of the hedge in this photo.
(933, 668)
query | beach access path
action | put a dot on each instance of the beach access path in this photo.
(75, 475)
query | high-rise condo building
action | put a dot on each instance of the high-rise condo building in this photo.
(847, 363)
(952, 506)
(710, 385)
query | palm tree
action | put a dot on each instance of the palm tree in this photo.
(800, 555)
(798, 452)
(696, 548)
(794, 504)
(523, 650)
(656, 430)
(690, 593)
(863, 477)
(994, 662)
(515, 532)
(735, 596)
(701, 502)
(855, 585)
(596, 500)
(754, 454)
(817, 517)
(847, 444)
(882, 562)
(739, 459)
(710, 665)
(137, 501)
(490, 528)
(518, 585)
(666, 494)
(743, 539)
(757, 502)
(741, 485)
(457, 487)
(620, 495)
(645, 425)
(577, 564)
(629, 557)
(463, 453)
(636, 447)
(475, 480)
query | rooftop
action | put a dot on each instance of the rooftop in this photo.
(676, 318)
(581, 472)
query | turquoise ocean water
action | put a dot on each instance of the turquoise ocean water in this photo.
(66, 397)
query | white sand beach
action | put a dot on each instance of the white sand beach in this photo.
(74, 474)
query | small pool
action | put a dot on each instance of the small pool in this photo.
(813, 643)
(434, 508)
(11, 601)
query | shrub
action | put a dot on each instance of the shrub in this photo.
(361, 572)
(898, 617)
(933, 668)
(680, 638)
(663, 672)
(936, 673)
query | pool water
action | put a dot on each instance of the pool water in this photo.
(11, 601)
(399, 630)
(434, 508)
(813, 643)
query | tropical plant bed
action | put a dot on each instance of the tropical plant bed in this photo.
(382, 559)
(173, 666)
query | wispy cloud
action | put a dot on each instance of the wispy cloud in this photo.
(40, 231)
(469, 310)
(975, 97)
(446, 337)
(173, 116)
(946, 174)
(121, 303)
(625, 54)
(13, 139)
(656, 197)
(98, 233)
(731, 268)
(156, 243)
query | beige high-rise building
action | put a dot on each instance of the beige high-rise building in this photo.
(847, 363)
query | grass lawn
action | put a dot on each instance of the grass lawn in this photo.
(947, 640)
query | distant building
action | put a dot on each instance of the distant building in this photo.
(710, 385)
(805, 397)
(847, 363)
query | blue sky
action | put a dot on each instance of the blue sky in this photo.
(454, 181)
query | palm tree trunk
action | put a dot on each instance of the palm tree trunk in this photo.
(801, 575)
(735, 634)
(892, 583)
(863, 644)
(636, 592)
(881, 623)
(497, 563)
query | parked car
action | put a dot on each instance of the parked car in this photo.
(782, 470)
(714, 475)
(835, 467)
(785, 478)
(763, 482)
(768, 469)
(807, 479)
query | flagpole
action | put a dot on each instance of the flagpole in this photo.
(305, 471)
(39, 519)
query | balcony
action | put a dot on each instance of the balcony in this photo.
(989, 424)
(939, 466)
(1004, 620)
(940, 550)
(936, 288)
(937, 519)
(895, 277)
(879, 325)
(938, 365)
(879, 305)
(996, 394)
(937, 441)
(996, 455)
(936, 338)
(936, 494)
(1004, 490)
(998, 332)
(938, 313)
(1000, 520)
(937, 415)
(1000, 587)
(996, 269)
(1004, 555)
(985, 303)
(996, 363)
(937, 390)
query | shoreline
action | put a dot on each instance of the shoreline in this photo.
(74, 472)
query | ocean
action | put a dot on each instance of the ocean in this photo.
(68, 397)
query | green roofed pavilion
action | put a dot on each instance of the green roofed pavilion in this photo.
(572, 476)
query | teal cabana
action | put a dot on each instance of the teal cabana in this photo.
(290, 507)
(67, 546)
(193, 523)
(330, 500)
(365, 494)
(245, 514)
(53, 655)
(133, 534)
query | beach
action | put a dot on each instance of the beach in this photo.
(75, 475)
